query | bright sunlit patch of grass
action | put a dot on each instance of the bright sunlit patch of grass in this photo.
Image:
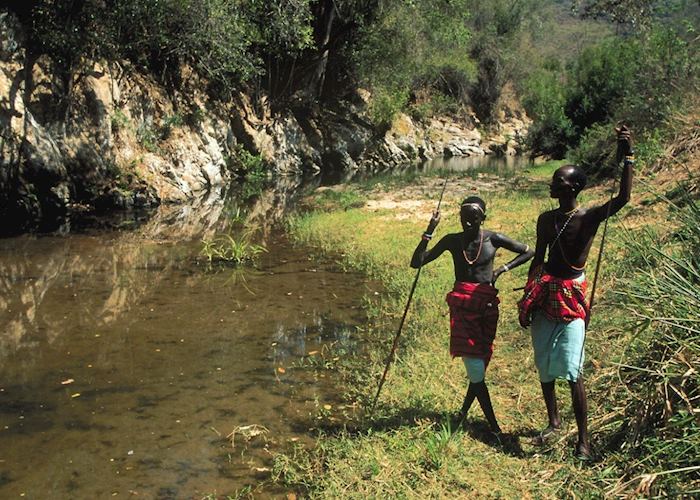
(406, 438)
(409, 447)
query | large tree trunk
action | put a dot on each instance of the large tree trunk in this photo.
(319, 74)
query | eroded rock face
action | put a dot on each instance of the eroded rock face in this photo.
(121, 141)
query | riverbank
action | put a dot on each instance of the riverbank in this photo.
(409, 447)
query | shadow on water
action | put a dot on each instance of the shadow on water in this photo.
(126, 361)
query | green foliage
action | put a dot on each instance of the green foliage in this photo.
(168, 123)
(599, 80)
(119, 120)
(437, 447)
(658, 433)
(552, 131)
(385, 104)
(148, 137)
(497, 25)
(285, 27)
(435, 104)
(641, 80)
(595, 152)
(414, 45)
(194, 116)
(222, 40)
(251, 169)
(225, 248)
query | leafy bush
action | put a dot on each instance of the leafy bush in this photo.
(148, 137)
(409, 46)
(596, 151)
(641, 80)
(251, 169)
(168, 123)
(385, 104)
(600, 80)
(119, 120)
(552, 131)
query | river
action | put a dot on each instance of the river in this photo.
(126, 360)
(129, 366)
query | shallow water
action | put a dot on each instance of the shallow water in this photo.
(503, 166)
(125, 361)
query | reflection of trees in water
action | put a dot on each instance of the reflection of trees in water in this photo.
(50, 284)
(293, 343)
(268, 209)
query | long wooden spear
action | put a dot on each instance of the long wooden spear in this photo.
(600, 254)
(403, 318)
(597, 269)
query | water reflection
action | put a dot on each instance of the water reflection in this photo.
(492, 164)
(501, 166)
(125, 360)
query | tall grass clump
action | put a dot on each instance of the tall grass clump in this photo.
(657, 431)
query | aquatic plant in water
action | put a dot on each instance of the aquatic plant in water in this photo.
(225, 248)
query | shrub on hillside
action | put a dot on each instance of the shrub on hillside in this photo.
(551, 132)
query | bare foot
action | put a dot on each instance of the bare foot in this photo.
(583, 452)
(546, 435)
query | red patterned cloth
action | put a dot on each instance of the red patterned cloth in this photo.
(473, 319)
(559, 299)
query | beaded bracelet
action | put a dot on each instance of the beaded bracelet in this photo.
(629, 160)
(426, 236)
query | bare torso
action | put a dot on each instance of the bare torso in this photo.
(567, 254)
(473, 259)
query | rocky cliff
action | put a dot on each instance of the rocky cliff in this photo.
(110, 137)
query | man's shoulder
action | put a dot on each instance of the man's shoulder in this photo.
(491, 235)
(451, 238)
(547, 215)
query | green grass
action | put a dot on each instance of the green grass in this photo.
(409, 447)
(545, 170)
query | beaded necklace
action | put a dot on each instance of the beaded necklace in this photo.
(571, 214)
(478, 252)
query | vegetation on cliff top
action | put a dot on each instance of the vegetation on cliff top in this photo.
(577, 65)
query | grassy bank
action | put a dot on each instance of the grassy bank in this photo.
(409, 447)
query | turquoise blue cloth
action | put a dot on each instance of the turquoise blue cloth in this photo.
(558, 347)
(476, 369)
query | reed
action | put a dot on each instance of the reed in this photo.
(227, 249)
(658, 431)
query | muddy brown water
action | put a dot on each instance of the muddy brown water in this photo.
(125, 361)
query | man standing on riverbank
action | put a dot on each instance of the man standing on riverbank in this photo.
(473, 301)
(555, 302)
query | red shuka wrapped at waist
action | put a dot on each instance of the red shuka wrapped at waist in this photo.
(473, 319)
(559, 299)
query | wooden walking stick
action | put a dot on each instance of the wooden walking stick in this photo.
(403, 318)
(600, 257)
(595, 275)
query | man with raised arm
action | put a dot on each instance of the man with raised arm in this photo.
(555, 304)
